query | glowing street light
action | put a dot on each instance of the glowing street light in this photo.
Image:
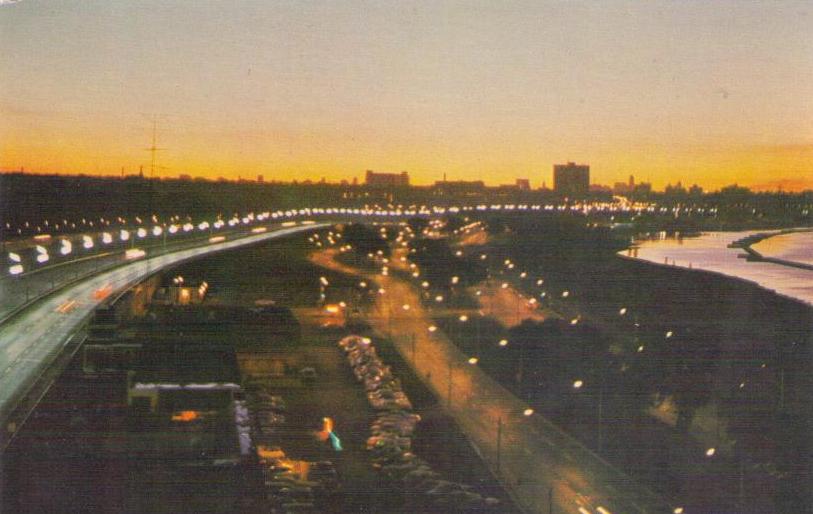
(503, 342)
(710, 452)
(578, 384)
(473, 360)
(66, 248)
(528, 412)
(405, 306)
(124, 235)
(432, 328)
(463, 318)
(622, 311)
(439, 298)
(42, 254)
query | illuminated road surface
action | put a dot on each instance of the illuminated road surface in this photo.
(32, 339)
(537, 458)
(16, 291)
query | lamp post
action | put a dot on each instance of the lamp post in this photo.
(449, 392)
(499, 443)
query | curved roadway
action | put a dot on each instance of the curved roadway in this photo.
(32, 339)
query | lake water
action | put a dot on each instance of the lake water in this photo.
(709, 251)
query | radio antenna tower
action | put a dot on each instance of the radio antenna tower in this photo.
(153, 149)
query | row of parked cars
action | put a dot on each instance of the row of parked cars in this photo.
(291, 487)
(391, 436)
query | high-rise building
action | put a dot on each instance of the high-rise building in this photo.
(571, 178)
(386, 179)
(523, 184)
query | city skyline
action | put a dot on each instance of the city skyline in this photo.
(708, 94)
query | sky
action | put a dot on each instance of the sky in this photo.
(712, 93)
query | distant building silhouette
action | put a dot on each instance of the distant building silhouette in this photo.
(621, 188)
(459, 187)
(375, 179)
(523, 184)
(571, 178)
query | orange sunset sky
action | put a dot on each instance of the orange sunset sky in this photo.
(702, 92)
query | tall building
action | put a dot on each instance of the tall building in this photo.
(523, 184)
(386, 179)
(571, 178)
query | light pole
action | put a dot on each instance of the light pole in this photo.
(449, 392)
(601, 413)
(499, 443)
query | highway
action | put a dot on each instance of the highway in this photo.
(541, 466)
(32, 339)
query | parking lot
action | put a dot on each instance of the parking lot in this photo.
(337, 394)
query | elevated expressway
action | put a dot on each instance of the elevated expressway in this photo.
(34, 337)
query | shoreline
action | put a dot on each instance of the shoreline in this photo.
(751, 255)
(746, 244)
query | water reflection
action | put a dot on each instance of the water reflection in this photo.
(709, 251)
